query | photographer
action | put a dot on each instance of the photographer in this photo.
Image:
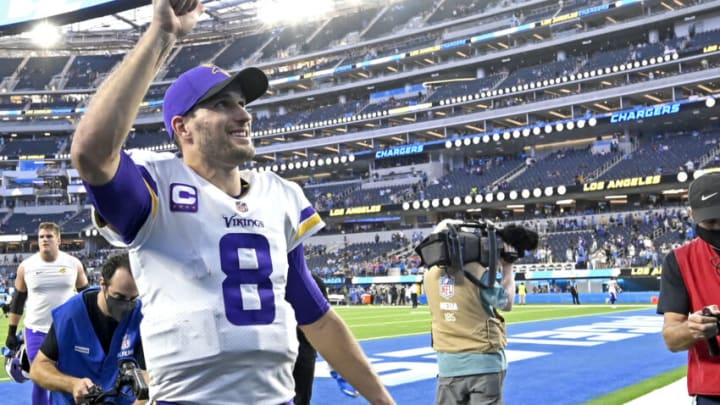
(468, 333)
(691, 285)
(91, 334)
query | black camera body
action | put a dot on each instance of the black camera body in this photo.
(712, 342)
(480, 242)
(130, 376)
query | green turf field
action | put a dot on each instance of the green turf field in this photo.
(376, 322)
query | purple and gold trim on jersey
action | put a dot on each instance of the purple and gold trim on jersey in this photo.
(309, 219)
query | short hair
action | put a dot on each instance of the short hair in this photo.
(113, 263)
(50, 226)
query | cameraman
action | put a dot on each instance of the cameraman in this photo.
(91, 334)
(691, 283)
(468, 333)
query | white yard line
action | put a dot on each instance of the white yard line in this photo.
(674, 393)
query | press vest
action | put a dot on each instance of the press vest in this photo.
(80, 352)
(459, 322)
(703, 285)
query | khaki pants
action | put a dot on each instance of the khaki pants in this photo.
(479, 389)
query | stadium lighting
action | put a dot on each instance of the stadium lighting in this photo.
(476, 140)
(536, 131)
(513, 195)
(682, 177)
(548, 191)
(486, 138)
(537, 193)
(426, 204)
(506, 135)
(343, 159)
(416, 205)
(276, 12)
(467, 141)
(478, 199)
(406, 206)
(710, 102)
(458, 143)
(45, 35)
(445, 202)
(468, 199)
(496, 137)
(283, 167)
(570, 125)
(351, 158)
(291, 166)
(274, 168)
(435, 203)
(526, 132)
(561, 190)
(548, 128)
(489, 197)
(500, 196)
(336, 159)
(457, 200)
(592, 121)
(448, 144)
(516, 134)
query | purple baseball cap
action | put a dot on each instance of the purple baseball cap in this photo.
(203, 82)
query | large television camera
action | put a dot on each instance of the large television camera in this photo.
(459, 243)
(130, 376)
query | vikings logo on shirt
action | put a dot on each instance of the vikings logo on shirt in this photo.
(447, 286)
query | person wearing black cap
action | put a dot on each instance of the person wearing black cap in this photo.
(217, 252)
(690, 292)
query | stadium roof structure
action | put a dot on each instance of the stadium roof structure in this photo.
(102, 23)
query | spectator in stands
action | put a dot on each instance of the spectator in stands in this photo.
(689, 286)
(112, 312)
(198, 220)
(46, 280)
(468, 333)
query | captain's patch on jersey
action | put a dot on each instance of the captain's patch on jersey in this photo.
(183, 198)
(447, 286)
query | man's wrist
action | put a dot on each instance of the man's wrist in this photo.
(12, 329)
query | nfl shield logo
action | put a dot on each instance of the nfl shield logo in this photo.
(125, 343)
(241, 206)
(447, 287)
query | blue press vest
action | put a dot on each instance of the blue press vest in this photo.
(81, 354)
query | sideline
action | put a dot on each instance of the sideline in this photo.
(675, 393)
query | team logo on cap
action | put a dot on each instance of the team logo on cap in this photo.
(216, 69)
(447, 287)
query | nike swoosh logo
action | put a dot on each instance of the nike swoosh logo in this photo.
(705, 197)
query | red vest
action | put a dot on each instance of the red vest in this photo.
(703, 285)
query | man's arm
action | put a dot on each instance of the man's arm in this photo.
(331, 337)
(508, 283)
(81, 282)
(44, 372)
(681, 331)
(111, 113)
(17, 306)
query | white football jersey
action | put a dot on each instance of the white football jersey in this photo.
(212, 271)
(49, 284)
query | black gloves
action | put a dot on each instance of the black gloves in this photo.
(11, 341)
(521, 239)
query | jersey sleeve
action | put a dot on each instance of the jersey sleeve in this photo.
(127, 200)
(303, 220)
(673, 293)
(302, 292)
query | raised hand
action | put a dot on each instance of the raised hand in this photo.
(177, 17)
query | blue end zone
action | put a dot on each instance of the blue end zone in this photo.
(557, 362)
(567, 361)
